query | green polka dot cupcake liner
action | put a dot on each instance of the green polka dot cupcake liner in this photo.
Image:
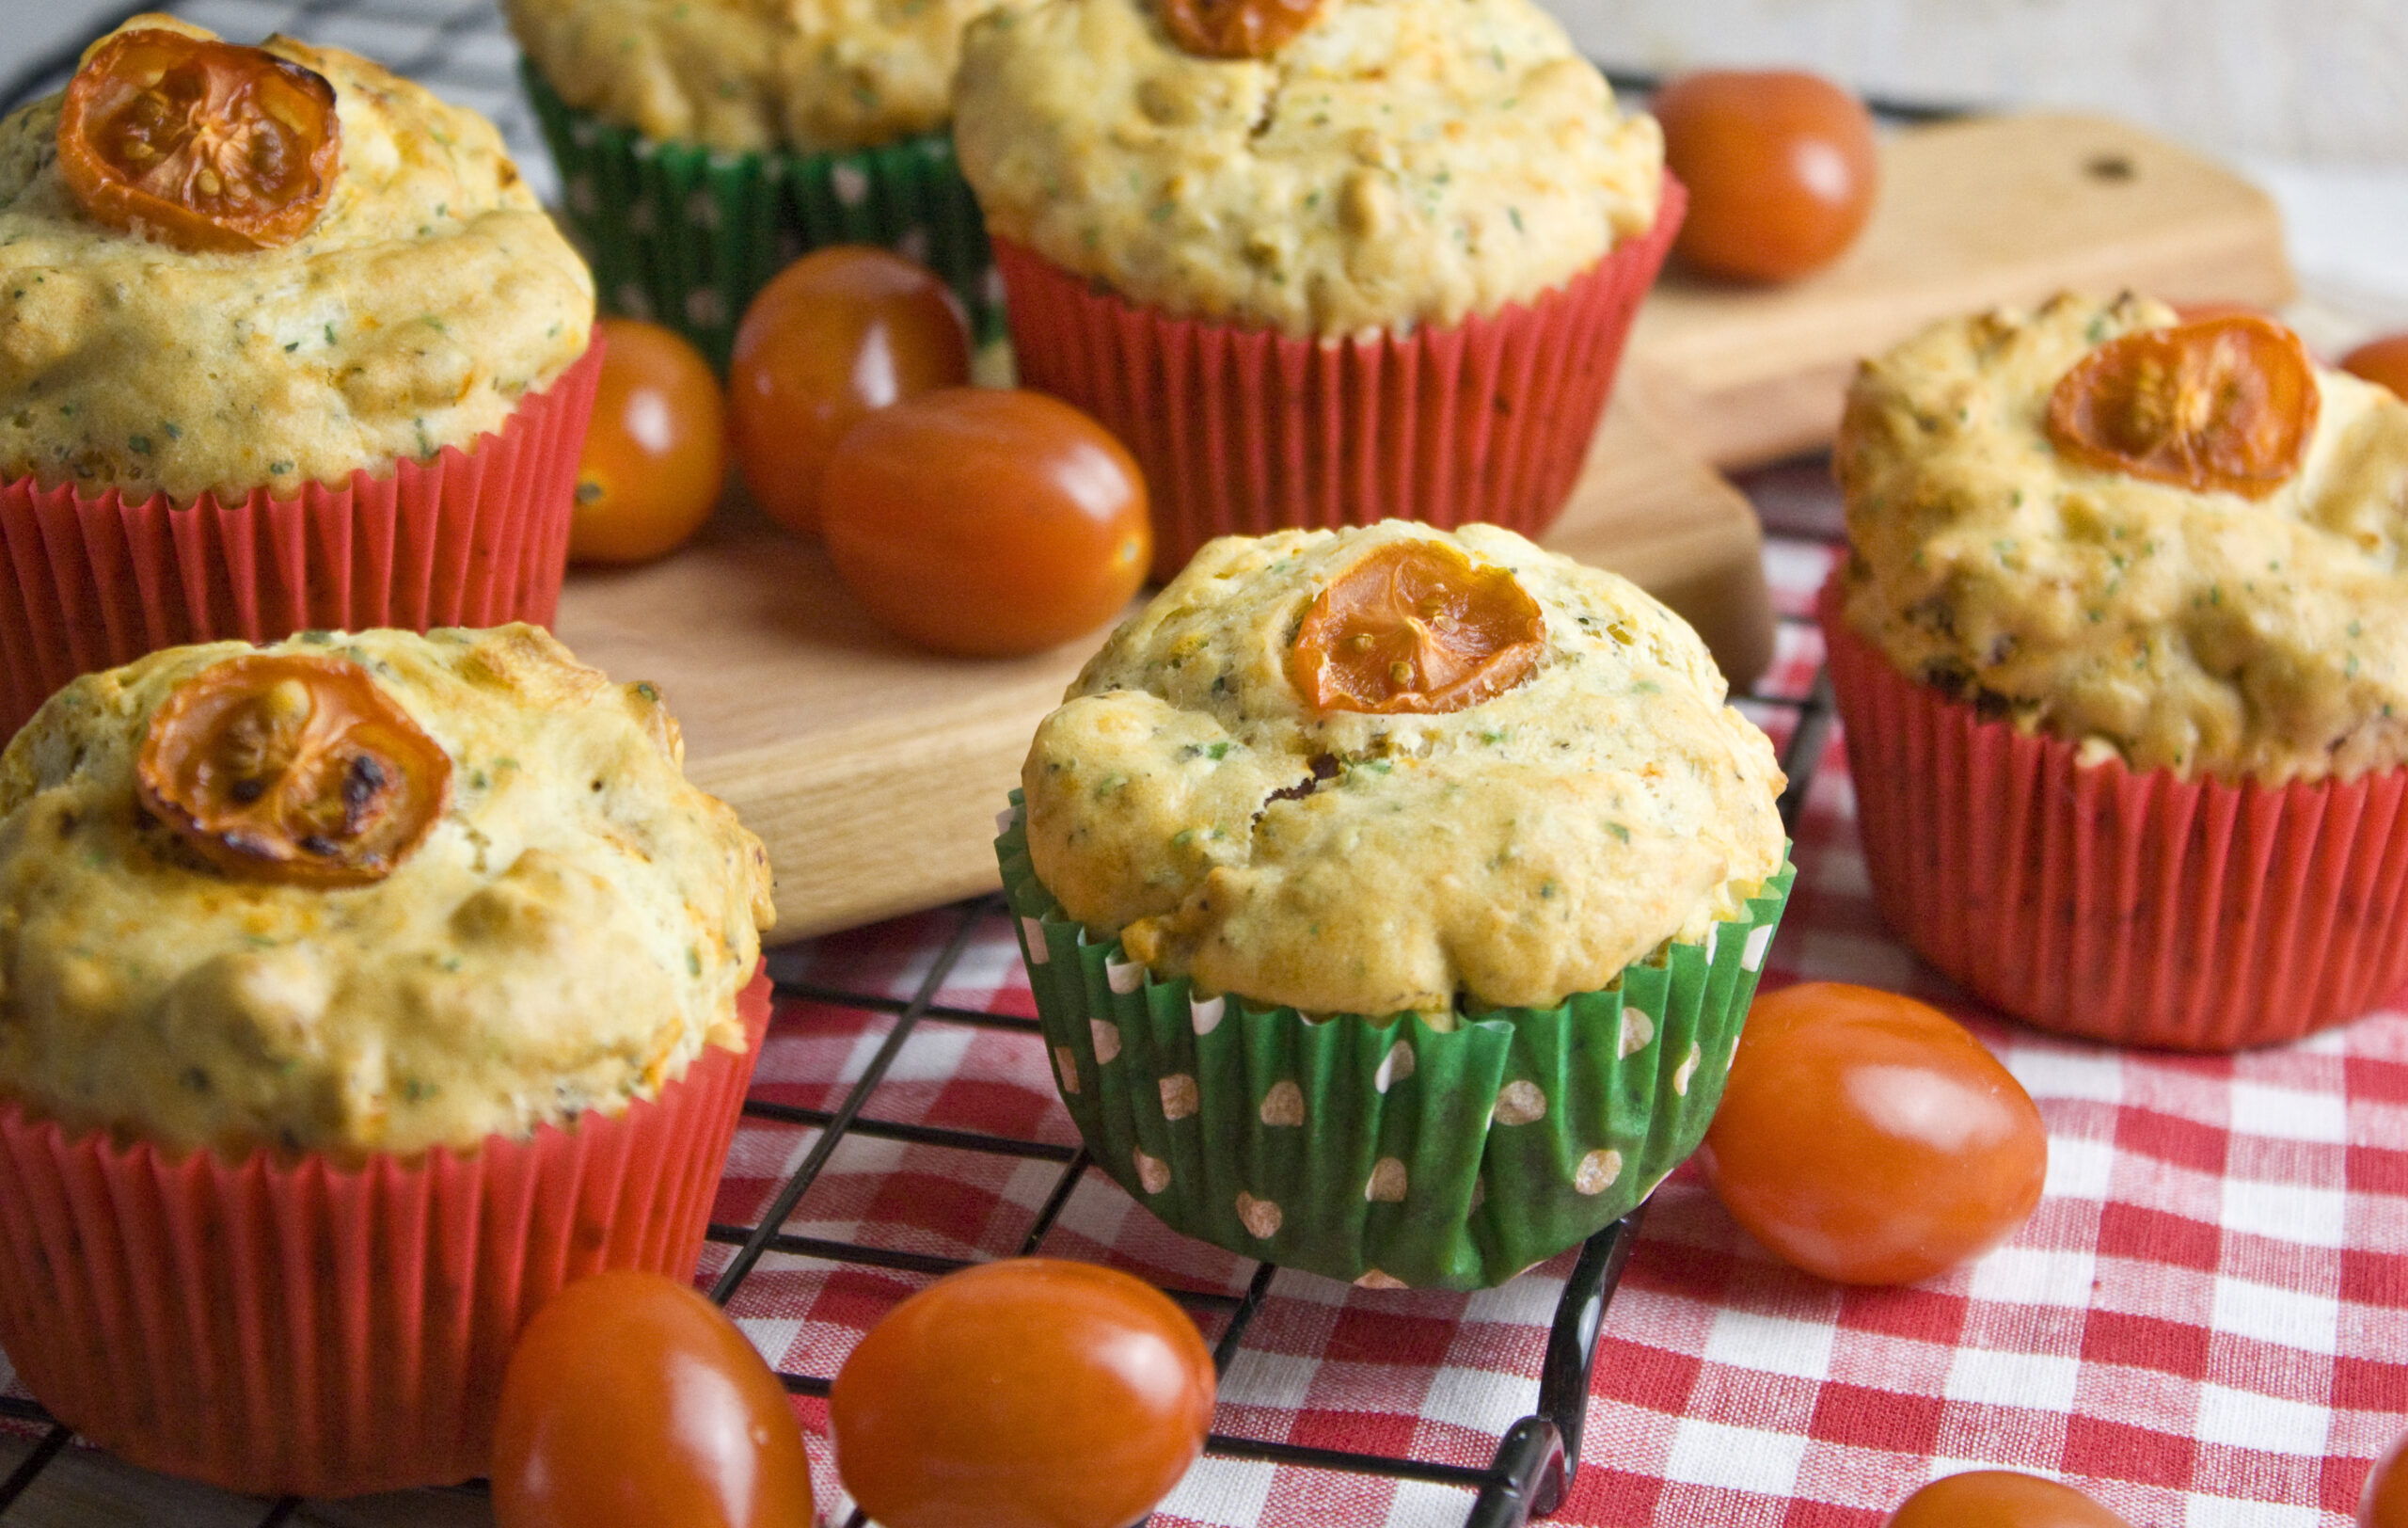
(685, 235)
(1379, 1149)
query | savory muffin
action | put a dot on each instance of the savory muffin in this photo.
(1191, 799)
(2241, 630)
(1392, 899)
(1396, 163)
(428, 296)
(362, 893)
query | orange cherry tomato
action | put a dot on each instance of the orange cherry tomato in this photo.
(1868, 1139)
(1416, 625)
(1033, 1392)
(292, 768)
(840, 332)
(1236, 28)
(205, 145)
(633, 1402)
(2384, 1504)
(986, 521)
(2226, 402)
(656, 453)
(1780, 166)
(2001, 1499)
(2383, 361)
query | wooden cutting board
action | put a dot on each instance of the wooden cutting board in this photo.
(873, 773)
(1969, 215)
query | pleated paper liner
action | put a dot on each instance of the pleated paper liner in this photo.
(685, 235)
(2133, 907)
(1243, 430)
(474, 537)
(287, 1326)
(1379, 1149)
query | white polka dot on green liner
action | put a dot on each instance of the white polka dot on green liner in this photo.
(1260, 1215)
(1687, 1070)
(1124, 977)
(1284, 1105)
(701, 210)
(1637, 1031)
(1065, 1068)
(581, 197)
(1394, 1067)
(1597, 1172)
(1038, 953)
(1519, 1102)
(1204, 1013)
(1153, 1173)
(704, 310)
(1387, 1182)
(1107, 1042)
(1179, 1099)
(851, 186)
(634, 301)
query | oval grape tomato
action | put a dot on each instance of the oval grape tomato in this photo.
(2383, 360)
(1868, 1139)
(656, 453)
(2226, 402)
(633, 1402)
(840, 332)
(1781, 169)
(2384, 1503)
(1416, 625)
(1033, 1392)
(985, 521)
(2001, 1499)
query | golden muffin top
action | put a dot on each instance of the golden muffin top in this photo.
(426, 298)
(1396, 163)
(1218, 791)
(2252, 627)
(375, 892)
(806, 75)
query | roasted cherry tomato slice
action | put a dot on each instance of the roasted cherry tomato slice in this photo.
(656, 452)
(293, 767)
(840, 332)
(205, 145)
(631, 1402)
(2384, 1503)
(1031, 1392)
(2001, 1499)
(1236, 28)
(1867, 1137)
(985, 521)
(1780, 170)
(2226, 402)
(1416, 625)
(2383, 361)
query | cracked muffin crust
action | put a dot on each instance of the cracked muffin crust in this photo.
(2197, 630)
(1397, 163)
(1190, 800)
(570, 933)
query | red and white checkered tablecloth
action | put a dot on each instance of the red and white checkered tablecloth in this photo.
(2205, 1324)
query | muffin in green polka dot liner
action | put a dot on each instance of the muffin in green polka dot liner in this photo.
(685, 235)
(1379, 1149)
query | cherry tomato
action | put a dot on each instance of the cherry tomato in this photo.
(1779, 167)
(632, 1402)
(1416, 625)
(205, 145)
(985, 521)
(2226, 402)
(2001, 1499)
(1034, 1392)
(840, 332)
(2384, 1501)
(1236, 28)
(2383, 360)
(1868, 1139)
(656, 453)
(292, 768)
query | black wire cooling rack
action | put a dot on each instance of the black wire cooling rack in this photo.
(459, 48)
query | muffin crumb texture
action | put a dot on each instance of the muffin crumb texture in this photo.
(746, 75)
(2200, 633)
(570, 934)
(430, 296)
(1397, 163)
(1186, 799)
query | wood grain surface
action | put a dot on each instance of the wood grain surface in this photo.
(873, 771)
(1969, 215)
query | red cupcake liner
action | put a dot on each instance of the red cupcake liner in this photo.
(2133, 907)
(473, 537)
(276, 1325)
(1244, 430)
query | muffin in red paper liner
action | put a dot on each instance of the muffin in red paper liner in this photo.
(363, 406)
(363, 989)
(1381, 268)
(2124, 709)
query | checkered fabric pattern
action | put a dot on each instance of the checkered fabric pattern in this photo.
(2206, 1324)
